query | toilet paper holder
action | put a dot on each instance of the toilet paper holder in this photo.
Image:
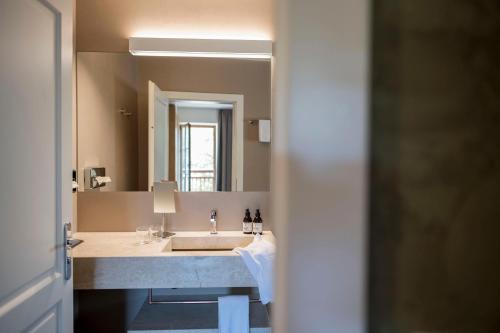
(95, 178)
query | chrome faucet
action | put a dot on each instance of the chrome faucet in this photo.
(213, 222)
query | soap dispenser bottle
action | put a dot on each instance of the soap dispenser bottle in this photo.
(257, 223)
(247, 223)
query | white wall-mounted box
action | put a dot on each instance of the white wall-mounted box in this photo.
(265, 131)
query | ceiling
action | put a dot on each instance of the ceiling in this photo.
(106, 25)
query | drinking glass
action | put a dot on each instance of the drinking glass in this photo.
(143, 234)
(155, 230)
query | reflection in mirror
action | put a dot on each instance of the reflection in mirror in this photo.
(190, 120)
(207, 143)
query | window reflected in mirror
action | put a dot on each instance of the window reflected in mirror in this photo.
(204, 147)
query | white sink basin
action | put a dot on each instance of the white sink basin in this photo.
(217, 242)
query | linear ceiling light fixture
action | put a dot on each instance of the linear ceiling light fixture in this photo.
(208, 48)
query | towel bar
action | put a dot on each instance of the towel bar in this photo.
(152, 301)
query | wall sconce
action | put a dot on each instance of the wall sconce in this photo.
(210, 48)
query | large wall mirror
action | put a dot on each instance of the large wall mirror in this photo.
(197, 121)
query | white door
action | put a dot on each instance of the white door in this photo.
(158, 134)
(35, 164)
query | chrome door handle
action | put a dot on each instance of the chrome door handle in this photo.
(69, 243)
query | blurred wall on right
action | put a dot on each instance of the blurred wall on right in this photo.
(435, 167)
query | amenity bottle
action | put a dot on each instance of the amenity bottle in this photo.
(247, 223)
(257, 223)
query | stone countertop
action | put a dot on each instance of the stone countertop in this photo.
(125, 244)
(115, 260)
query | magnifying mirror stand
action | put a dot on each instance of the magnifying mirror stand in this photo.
(164, 232)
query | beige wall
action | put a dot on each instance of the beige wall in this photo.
(106, 82)
(106, 25)
(249, 78)
(124, 211)
(320, 165)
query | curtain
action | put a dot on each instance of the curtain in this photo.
(225, 152)
(185, 158)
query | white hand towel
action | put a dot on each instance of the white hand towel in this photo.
(259, 259)
(234, 314)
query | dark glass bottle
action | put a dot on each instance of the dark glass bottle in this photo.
(247, 223)
(257, 223)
